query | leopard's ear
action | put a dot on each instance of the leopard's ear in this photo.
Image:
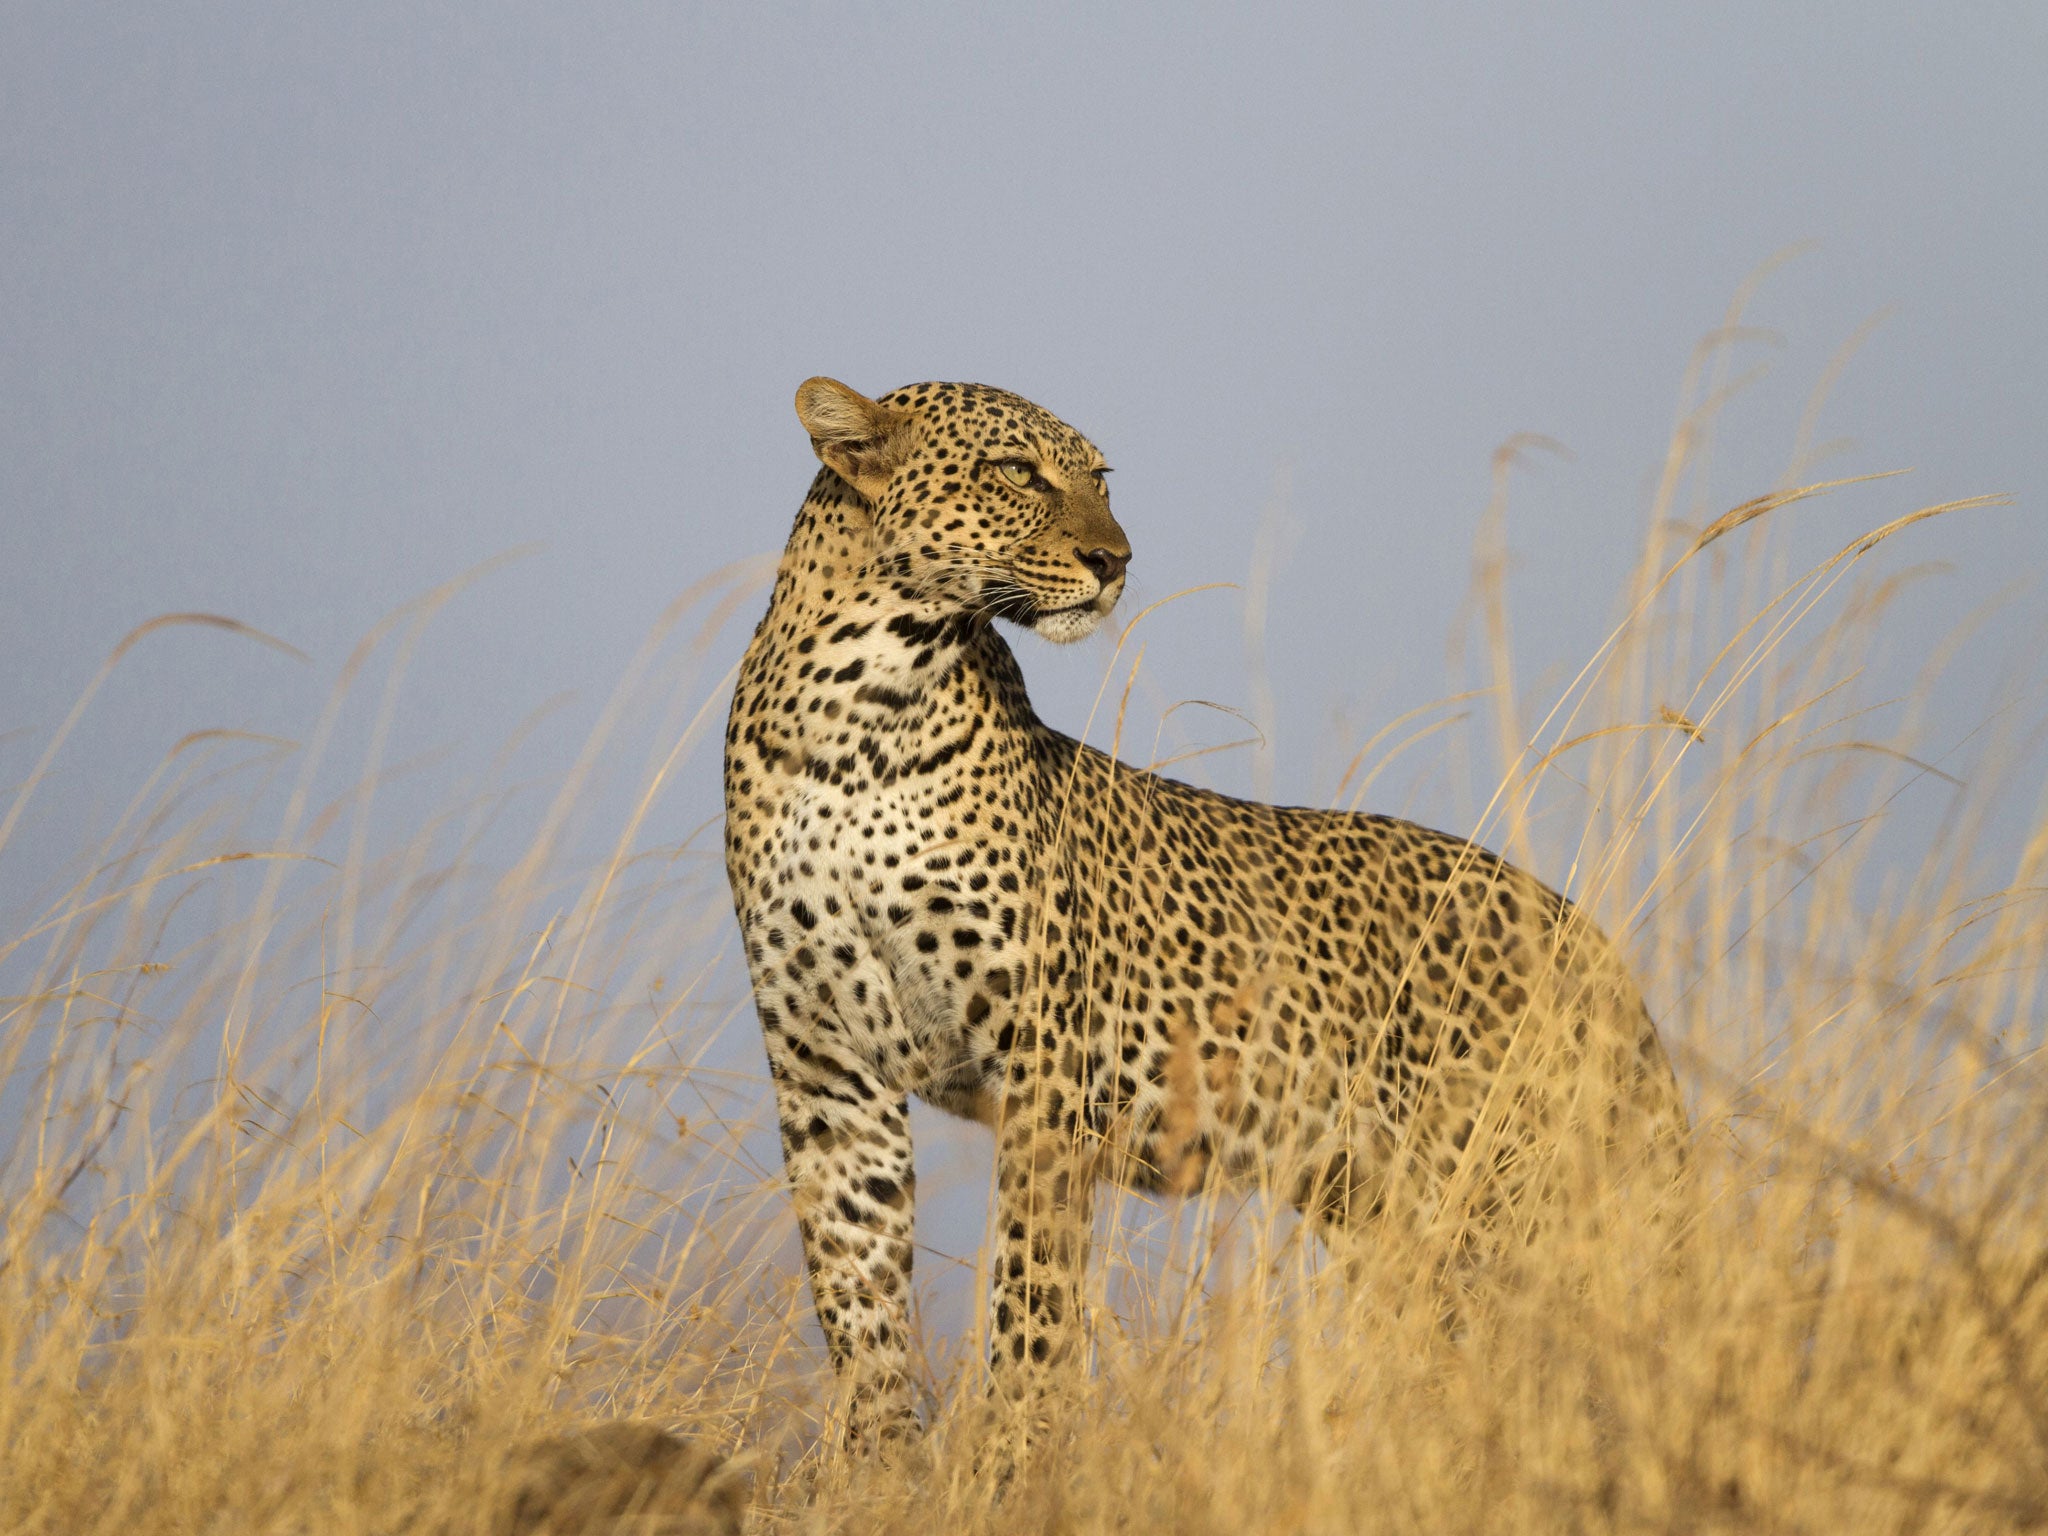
(862, 441)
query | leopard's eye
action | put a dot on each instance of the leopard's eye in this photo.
(1017, 472)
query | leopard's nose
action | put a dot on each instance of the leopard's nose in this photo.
(1107, 564)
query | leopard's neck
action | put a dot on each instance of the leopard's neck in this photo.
(852, 674)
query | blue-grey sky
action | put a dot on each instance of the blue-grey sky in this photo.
(304, 309)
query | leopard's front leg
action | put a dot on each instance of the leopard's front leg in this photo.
(1045, 1200)
(846, 1148)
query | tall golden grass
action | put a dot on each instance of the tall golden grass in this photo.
(344, 1165)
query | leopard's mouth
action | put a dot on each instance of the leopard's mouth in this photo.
(1022, 608)
(1063, 624)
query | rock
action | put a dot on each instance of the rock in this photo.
(625, 1478)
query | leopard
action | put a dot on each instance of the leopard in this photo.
(1128, 978)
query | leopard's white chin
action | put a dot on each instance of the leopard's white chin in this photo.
(1064, 626)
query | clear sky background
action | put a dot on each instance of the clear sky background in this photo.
(304, 309)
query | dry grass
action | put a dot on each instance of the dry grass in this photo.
(335, 1177)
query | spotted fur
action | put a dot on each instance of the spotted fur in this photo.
(1126, 976)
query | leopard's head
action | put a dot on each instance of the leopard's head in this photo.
(979, 500)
